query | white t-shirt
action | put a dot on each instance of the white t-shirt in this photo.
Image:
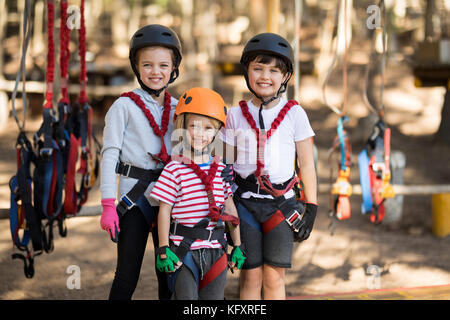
(129, 137)
(180, 187)
(279, 153)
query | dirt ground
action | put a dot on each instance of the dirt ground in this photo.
(405, 253)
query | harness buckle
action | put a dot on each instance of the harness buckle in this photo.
(128, 168)
(123, 168)
(378, 167)
(46, 152)
(294, 220)
(125, 204)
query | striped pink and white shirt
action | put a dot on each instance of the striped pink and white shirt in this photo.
(181, 188)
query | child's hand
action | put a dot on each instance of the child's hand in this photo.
(237, 258)
(228, 173)
(307, 222)
(166, 260)
(109, 221)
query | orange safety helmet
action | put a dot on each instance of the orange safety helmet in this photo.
(202, 101)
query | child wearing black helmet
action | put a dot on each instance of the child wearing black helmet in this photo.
(267, 132)
(136, 145)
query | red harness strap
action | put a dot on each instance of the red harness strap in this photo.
(261, 138)
(50, 55)
(379, 176)
(70, 201)
(163, 156)
(273, 221)
(207, 179)
(216, 269)
(261, 141)
(49, 93)
(64, 52)
(82, 53)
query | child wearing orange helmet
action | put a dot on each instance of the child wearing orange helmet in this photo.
(196, 205)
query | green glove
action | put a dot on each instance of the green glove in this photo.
(238, 257)
(166, 259)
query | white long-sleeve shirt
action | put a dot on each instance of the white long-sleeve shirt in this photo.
(129, 137)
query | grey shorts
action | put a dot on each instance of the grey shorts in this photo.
(273, 248)
(186, 284)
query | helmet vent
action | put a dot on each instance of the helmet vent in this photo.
(188, 100)
(166, 34)
(138, 35)
(254, 40)
(282, 44)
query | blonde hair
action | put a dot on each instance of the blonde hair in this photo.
(180, 123)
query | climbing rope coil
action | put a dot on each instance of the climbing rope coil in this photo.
(47, 193)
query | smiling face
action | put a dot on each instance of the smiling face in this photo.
(200, 130)
(265, 79)
(155, 64)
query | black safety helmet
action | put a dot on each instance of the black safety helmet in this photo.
(155, 35)
(270, 44)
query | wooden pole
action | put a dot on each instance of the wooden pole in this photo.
(272, 16)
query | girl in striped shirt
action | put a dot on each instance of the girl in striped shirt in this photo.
(196, 205)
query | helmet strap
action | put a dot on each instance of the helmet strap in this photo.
(266, 102)
(173, 76)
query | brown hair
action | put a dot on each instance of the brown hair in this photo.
(266, 59)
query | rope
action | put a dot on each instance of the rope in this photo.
(163, 156)
(215, 212)
(381, 110)
(262, 138)
(82, 53)
(27, 27)
(339, 111)
(50, 54)
(64, 54)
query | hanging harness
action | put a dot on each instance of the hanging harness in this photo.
(259, 183)
(144, 177)
(56, 145)
(49, 170)
(199, 231)
(375, 173)
(341, 190)
(80, 135)
(25, 224)
(374, 165)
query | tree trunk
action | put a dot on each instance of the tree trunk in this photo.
(429, 12)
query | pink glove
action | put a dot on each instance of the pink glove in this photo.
(110, 220)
